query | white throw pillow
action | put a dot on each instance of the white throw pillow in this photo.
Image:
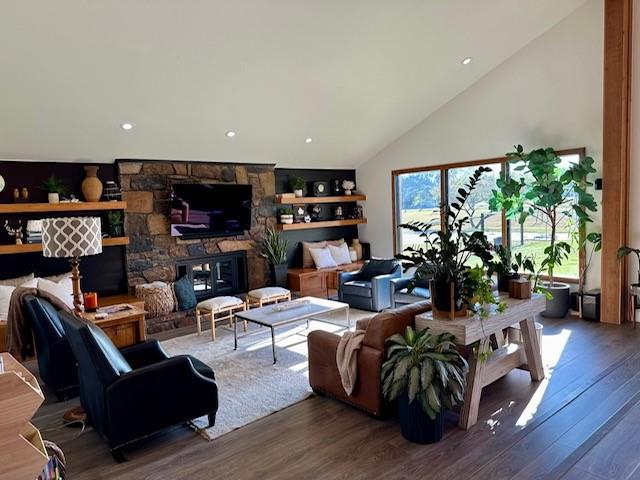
(322, 258)
(340, 254)
(5, 297)
(14, 282)
(62, 289)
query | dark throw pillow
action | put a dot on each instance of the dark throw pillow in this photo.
(378, 266)
(185, 294)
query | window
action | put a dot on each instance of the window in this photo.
(418, 199)
(418, 193)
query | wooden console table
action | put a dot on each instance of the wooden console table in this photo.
(506, 357)
(311, 282)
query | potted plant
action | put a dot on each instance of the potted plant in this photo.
(274, 249)
(115, 223)
(503, 268)
(348, 186)
(595, 240)
(297, 185)
(286, 216)
(426, 374)
(625, 251)
(550, 194)
(444, 258)
(54, 188)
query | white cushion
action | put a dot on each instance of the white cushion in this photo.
(322, 258)
(63, 289)
(5, 297)
(218, 303)
(268, 292)
(340, 253)
(14, 282)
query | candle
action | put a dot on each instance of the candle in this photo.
(90, 301)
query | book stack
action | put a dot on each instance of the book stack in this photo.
(34, 231)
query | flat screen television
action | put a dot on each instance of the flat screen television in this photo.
(210, 210)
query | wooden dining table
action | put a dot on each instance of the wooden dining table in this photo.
(487, 335)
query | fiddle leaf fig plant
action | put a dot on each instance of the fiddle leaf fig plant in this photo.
(428, 367)
(549, 193)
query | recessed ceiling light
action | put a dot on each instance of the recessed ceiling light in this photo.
(230, 134)
(308, 140)
(127, 126)
(466, 61)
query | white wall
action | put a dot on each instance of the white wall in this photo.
(547, 94)
(634, 185)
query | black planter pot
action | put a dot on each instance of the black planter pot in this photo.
(278, 275)
(116, 230)
(441, 296)
(503, 281)
(415, 425)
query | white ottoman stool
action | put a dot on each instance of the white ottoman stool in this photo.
(224, 307)
(262, 296)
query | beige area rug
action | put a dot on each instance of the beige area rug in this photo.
(249, 385)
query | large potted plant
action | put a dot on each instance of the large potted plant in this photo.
(274, 249)
(444, 259)
(551, 194)
(426, 374)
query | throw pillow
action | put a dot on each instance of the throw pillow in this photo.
(63, 289)
(378, 266)
(336, 243)
(15, 282)
(340, 254)
(184, 293)
(57, 278)
(307, 260)
(322, 258)
(5, 297)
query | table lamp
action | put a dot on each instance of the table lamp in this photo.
(72, 238)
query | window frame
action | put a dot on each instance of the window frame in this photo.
(444, 194)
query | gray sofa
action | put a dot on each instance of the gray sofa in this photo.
(370, 287)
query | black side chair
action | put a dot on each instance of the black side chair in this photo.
(131, 393)
(56, 363)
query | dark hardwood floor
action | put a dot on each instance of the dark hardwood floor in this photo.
(581, 422)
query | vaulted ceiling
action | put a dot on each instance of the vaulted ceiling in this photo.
(352, 74)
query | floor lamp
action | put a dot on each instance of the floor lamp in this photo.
(72, 238)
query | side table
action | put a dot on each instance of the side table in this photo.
(124, 328)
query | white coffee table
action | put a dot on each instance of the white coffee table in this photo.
(277, 315)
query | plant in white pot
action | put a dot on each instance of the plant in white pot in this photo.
(54, 188)
(551, 194)
(427, 375)
(286, 216)
(297, 185)
(274, 249)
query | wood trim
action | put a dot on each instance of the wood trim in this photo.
(312, 200)
(37, 247)
(329, 223)
(616, 147)
(10, 208)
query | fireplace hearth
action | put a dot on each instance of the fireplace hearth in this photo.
(215, 275)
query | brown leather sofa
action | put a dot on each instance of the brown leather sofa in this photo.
(367, 394)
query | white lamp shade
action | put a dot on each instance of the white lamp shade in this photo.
(71, 237)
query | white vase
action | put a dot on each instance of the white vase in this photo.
(286, 219)
(347, 192)
(298, 193)
(53, 198)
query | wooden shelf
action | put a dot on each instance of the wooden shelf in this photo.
(308, 200)
(61, 207)
(37, 247)
(330, 223)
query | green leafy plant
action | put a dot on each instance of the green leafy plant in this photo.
(483, 295)
(549, 193)
(501, 265)
(296, 183)
(428, 367)
(114, 217)
(273, 247)
(286, 211)
(595, 240)
(53, 185)
(445, 255)
(526, 265)
(624, 251)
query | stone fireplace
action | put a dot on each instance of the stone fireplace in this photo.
(153, 253)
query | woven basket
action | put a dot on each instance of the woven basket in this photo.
(158, 298)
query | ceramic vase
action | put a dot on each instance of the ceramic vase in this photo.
(91, 185)
(53, 198)
(357, 246)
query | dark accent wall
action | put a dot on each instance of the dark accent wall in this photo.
(283, 175)
(103, 273)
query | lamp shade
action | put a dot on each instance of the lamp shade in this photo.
(71, 237)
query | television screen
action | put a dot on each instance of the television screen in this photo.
(210, 210)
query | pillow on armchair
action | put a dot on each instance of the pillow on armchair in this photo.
(378, 266)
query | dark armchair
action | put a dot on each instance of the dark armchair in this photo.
(56, 363)
(131, 393)
(369, 288)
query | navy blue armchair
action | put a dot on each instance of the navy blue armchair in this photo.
(56, 363)
(369, 288)
(131, 393)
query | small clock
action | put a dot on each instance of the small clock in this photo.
(2, 183)
(320, 189)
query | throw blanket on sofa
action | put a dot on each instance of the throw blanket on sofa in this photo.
(19, 333)
(347, 358)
